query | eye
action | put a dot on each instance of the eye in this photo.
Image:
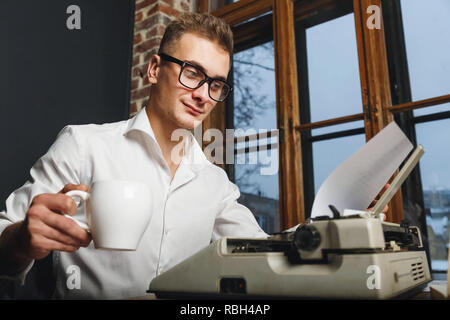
(217, 85)
(192, 73)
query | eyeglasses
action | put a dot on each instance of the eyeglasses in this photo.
(192, 77)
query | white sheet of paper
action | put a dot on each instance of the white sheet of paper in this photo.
(358, 180)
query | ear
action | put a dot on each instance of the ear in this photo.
(153, 69)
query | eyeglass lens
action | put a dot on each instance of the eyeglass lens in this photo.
(191, 77)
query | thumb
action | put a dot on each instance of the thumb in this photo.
(69, 187)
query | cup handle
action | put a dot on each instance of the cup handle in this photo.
(83, 196)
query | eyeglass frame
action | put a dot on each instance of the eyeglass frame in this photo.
(207, 78)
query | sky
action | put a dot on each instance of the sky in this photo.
(334, 86)
(427, 38)
(262, 83)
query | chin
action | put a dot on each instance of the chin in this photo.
(189, 122)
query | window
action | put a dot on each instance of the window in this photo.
(329, 88)
(426, 26)
(348, 83)
(333, 74)
(255, 171)
(418, 60)
(217, 4)
(436, 188)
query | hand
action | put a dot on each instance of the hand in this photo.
(374, 202)
(45, 228)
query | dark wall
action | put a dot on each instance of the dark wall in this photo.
(51, 76)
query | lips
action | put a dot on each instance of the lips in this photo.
(192, 109)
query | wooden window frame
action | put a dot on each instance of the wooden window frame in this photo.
(291, 199)
(378, 109)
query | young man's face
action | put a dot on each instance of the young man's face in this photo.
(181, 106)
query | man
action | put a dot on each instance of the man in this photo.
(194, 202)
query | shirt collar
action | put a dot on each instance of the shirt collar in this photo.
(140, 122)
(194, 155)
(192, 163)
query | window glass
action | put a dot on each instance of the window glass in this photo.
(427, 26)
(338, 127)
(256, 172)
(256, 175)
(333, 72)
(435, 173)
(445, 107)
(217, 4)
(259, 191)
(254, 88)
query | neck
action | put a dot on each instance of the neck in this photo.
(171, 149)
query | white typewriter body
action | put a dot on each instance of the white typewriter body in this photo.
(355, 257)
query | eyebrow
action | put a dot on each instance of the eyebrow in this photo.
(198, 65)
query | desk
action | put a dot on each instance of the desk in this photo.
(426, 293)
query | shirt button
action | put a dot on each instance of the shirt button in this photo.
(166, 232)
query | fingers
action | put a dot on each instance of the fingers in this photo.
(42, 245)
(60, 202)
(42, 220)
(45, 229)
(69, 187)
(40, 228)
(56, 202)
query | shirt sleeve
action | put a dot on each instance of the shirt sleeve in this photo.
(62, 164)
(20, 277)
(234, 219)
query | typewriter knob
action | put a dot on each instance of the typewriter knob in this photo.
(306, 238)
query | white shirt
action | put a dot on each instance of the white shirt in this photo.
(198, 206)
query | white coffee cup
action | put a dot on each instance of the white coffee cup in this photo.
(117, 213)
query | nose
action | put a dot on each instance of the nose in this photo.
(201, 93)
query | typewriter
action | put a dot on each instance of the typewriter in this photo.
(353, 257)
(348, 256)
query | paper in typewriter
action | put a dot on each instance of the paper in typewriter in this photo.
(358, 180)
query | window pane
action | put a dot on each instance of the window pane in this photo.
(434, 109)
(217, 4)
(426, 27)
(338, 127)
(256, 173)
(254, 88)
(435, 173)
(329, 154)
(333, 72)
(259, 190)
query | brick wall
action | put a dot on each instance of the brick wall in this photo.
(151, 19)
